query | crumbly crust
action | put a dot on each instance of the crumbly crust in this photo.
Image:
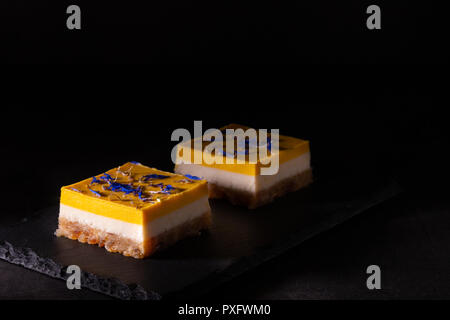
(254, 200)
(128, 247)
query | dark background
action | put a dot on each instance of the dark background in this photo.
(180, 31)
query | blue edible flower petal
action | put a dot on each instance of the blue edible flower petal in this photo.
(95, 192)
(154, 176)
(269, 144)
(95, 180)
(138, 192)
(166, 189)
(192, 177)
(106, 177)
(116, 186)
(135, 162)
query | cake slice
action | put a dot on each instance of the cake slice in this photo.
(134, 210)
(243, 183)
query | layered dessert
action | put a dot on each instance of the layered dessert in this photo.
(134, 210)
(243, 182)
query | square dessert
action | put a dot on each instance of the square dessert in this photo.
(134, 209)
(241, 182)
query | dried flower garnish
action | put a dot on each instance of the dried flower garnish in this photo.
(184, 181)
(159, 185)
(154, 192)
(98, 194)
(192, 177)
(120, 187)
(154, 176)
(106, 177)
(138, 192)
(168, 187)
(95, 180)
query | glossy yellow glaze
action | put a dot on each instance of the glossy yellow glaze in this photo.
(100, 197)
(289, 148)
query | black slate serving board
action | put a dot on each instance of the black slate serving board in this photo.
(239, 240)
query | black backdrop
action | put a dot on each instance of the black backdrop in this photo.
(223, 31)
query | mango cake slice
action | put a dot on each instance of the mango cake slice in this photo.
(134, 209)
(243, 183)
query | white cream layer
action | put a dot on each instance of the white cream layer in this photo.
(135, 231)
(244, 182)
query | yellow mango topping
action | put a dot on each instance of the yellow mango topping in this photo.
(133, 193)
